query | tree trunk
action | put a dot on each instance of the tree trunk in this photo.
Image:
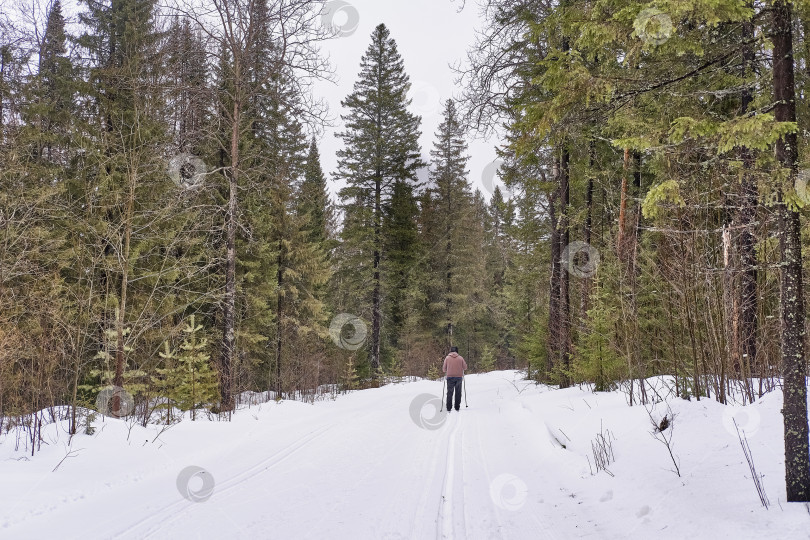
(587, 229)
(449, 276)
(622, 206)
(229, 303)
(633, 275)
(376, 312)
(797, 456)
(556, 269)
(747, 301)
(279, 309)
(118, 380)
(636, 239)
(565, 300)
(564, 323)
(746, 218)
(730, 301)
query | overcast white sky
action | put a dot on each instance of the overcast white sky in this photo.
(431, 36)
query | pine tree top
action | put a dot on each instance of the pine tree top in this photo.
(54, 40)
(448, 170)
(381, 137)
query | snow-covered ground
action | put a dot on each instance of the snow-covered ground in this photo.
(377, 464)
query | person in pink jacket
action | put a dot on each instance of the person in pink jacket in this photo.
(454, 366)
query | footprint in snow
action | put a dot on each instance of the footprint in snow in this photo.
(606, 497)
(643, 511)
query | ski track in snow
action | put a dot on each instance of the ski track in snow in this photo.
(149, 522)
(444, 521)
(483, 463)
(360, 468)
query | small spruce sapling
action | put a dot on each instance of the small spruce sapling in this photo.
(487, 361)
(350, 377)
(188, 380)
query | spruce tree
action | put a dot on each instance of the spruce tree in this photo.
(13, 62)
(259, 52)
(453, 254)
(314, 200)
(381, 148)
(34, 160)
(193, 226)
(499, 252)
(189, 97)
(50, 100)
(402, 250)
(187, 379)
(517, 293)
(282, 267)
(124, 179)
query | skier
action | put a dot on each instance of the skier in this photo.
(454, 366)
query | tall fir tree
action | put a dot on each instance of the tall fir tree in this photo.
(452, 199)
(189, 98)
(50, 102)
(124, 178)
(283, 268)
(35, 163)
(315, 201)
(381, 148)
(402, 250)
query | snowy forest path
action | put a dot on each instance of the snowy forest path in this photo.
(364, 448)
(360, 466)
(512, 466)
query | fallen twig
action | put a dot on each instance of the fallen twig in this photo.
(70, 454)
(763, 498)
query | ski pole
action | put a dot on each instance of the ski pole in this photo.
(465, 390)
(441, 408)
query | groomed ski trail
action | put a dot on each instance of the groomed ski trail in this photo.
(512, 466)
(358, 467)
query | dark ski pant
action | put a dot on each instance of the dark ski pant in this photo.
(453, 385)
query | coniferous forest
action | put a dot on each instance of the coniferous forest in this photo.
(169, 236)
